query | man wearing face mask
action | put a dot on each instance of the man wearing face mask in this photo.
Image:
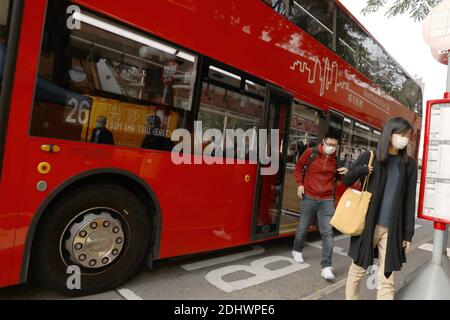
(101, 134)
(316, 173)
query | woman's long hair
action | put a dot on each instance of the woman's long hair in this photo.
(397, 125)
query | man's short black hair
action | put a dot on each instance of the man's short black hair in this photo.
(332, 135)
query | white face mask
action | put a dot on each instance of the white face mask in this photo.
(399, 142)
(329, 150)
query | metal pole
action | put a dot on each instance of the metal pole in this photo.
(438, 245)
(445, 241)
(448, 72)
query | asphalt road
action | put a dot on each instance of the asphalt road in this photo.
(262, 271)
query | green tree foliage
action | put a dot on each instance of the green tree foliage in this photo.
(417, 9)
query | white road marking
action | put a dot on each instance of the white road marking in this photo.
(327, 290)
(337, 250)
(429, 247)
(228, 258)
(258, 268)
(417, 226)
(128, 294)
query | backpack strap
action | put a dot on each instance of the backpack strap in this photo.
(312, 157)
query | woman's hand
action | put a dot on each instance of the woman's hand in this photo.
(370, 169)
(406, 245)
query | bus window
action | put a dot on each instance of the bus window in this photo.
(103, 83)
(361, 139)
(374, 139)
(224, 76)
(316, 18)
(362, 51)
(224, 109)
(4, 14)
(356, 138)
(346, 155)
(303, 133)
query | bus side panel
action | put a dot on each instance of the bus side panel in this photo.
(16, 225)
(204, 207)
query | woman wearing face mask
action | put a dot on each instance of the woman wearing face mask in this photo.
(390, 220)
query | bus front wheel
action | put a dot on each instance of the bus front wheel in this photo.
(92, 240)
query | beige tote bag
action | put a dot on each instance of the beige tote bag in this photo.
(350, 215)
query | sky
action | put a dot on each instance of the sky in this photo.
(402, 38)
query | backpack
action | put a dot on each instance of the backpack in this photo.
(312, 157)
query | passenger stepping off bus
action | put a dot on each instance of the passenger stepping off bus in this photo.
(316, 173)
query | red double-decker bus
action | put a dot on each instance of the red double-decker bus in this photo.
(92, 91)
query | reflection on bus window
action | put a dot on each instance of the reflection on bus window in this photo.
(106, 84)
(356, 139)
(346, 155)
(357, 47)
(361, 138)
(225, 109)
(374, 139)
(101, 134)
(156, 138)
(315, 17)
(303, 131)
(4, 19)
(280, 6)
(224, 76)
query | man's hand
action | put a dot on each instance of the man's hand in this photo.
(370, 169)
(342, 171)
(300, 191)
(406, 245)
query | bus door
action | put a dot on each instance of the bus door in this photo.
(306, 125)
(269, 184)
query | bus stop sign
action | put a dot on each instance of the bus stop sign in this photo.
(436, 31)
(434, 197)
(432, 280)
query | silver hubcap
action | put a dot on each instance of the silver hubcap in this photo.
(96, 241)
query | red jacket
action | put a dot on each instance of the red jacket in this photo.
(320, 179)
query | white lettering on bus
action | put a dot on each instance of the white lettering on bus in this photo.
(239, 147)
(78, 114)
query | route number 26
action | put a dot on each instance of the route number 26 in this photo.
(79, 112)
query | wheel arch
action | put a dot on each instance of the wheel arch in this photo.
(109, 175)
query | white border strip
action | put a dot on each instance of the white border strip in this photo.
(228, 258)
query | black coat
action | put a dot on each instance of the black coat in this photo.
(105, 136)
(403, 213)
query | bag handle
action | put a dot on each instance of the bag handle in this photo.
(366, 180)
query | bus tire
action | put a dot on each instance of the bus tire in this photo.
(91, 240)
